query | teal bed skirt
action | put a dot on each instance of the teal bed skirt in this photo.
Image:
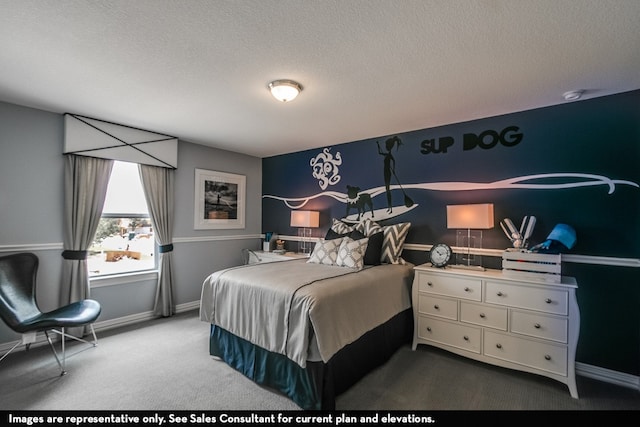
(316, 386)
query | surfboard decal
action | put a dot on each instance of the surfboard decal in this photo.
(379, 214)
(521, 182)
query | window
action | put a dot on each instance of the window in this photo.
(124, 240)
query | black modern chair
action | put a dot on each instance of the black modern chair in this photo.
(19, 308)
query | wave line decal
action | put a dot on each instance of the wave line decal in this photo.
(589, 180)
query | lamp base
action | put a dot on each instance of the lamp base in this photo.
(469, 239)
(304, 245)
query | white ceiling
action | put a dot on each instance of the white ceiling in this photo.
(199, 69)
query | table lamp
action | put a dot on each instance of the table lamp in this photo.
(473, 218)
(305, 220)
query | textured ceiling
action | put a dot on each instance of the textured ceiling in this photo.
(199, 69)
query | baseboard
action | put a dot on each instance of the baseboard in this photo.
(608, 376)
(193, 305)
(141, 317)
(582, 369)
(123, 321)
(105, 325)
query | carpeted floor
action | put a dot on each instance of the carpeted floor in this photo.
(164, 365)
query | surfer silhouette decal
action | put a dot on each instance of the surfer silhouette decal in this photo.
(390, 171)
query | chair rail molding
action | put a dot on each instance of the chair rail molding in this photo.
(30, 247)
(573, 258)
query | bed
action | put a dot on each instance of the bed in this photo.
(307, 329)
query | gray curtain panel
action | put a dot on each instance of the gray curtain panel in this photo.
(85, 183)
(158, 184)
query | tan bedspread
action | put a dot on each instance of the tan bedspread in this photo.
(278, 306)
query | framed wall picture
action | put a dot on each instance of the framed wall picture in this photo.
(219, 200)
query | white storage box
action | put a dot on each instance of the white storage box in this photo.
(531, 265)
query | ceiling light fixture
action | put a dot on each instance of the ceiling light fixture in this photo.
(572, 95)
(285, 90)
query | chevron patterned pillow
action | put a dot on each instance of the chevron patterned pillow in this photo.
(368, 227)
(340, 227)
(394, 236)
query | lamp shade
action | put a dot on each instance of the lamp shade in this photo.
(478, 216)
(308, 219)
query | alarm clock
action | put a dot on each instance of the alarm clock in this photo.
(440, 255)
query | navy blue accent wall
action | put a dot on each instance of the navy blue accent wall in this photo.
(594, 144)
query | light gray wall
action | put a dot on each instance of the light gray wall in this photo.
(31, 197)
(31, 175)
(31, 209)
(198, 253)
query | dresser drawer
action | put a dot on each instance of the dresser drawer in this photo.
(484, 315)
(451, 334)
(515, 323)
(540, 326)
(453, 286)
(533, 354)
(545, 299)
(438, 306)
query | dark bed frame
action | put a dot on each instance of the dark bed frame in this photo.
(316, 386)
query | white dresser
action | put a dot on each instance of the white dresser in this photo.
(521, 324)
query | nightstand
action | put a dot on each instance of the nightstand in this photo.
(521, 324)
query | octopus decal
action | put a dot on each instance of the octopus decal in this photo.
(325, 168)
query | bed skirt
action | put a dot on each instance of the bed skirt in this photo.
(316, 386)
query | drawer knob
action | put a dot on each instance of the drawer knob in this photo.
(548, 300)
(429, 284)
(466, 289)
(499, 345)
(537, 326)
(547, 357)
(482, 315)
(466, 338)
(499, 293)
(428, 328)
(437, 307)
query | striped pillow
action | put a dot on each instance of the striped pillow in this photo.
(394, 237)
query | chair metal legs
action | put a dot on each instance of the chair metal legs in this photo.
(63, 336)
(12, 348)
(29, 338)
(53, 349)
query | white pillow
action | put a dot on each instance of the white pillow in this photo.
(325, 252)
(351, 253)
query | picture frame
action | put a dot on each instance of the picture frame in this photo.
(219, 200)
